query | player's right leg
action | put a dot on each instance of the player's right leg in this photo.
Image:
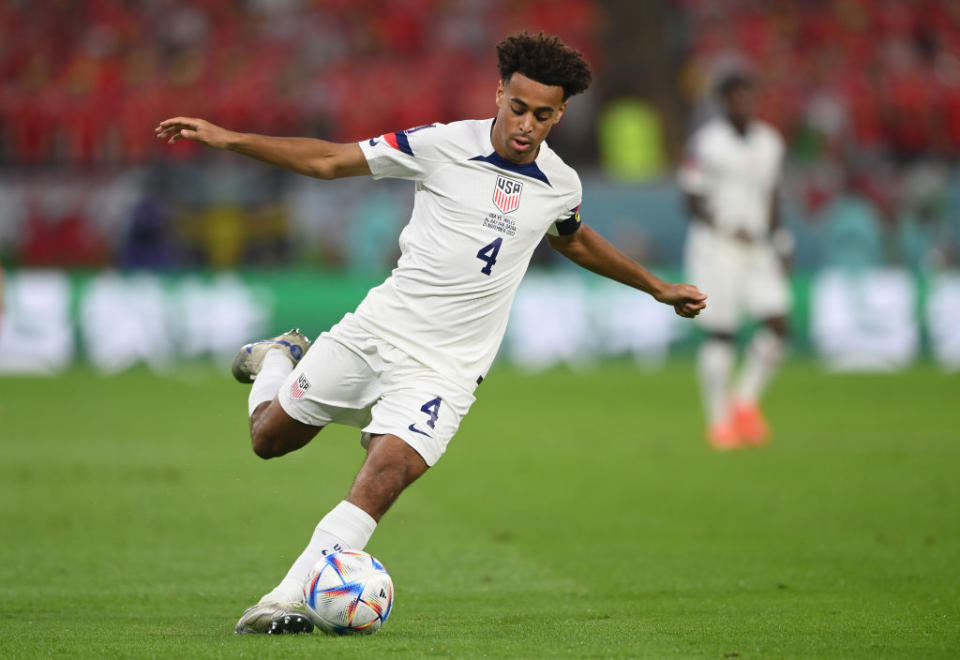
(390, 466)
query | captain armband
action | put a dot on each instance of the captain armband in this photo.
(567, 225)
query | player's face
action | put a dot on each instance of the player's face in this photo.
(527, 110)
(740, 103)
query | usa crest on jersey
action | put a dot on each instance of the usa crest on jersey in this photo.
(506, 194)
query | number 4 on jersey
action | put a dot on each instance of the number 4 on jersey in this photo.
(488, 253)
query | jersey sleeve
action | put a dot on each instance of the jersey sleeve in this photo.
(569, 221)
(409, 154)
(692, 175)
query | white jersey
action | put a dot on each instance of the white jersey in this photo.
(736, 174)
(476, 221)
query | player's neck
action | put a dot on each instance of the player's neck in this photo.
(740, 124)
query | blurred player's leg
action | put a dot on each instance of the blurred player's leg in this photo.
(763, 357)
(715, 365)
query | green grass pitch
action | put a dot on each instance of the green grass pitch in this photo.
(575, 515)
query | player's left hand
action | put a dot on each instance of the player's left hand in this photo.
(687, 300)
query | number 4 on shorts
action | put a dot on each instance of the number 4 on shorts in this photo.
(488, 253)
(432, 408)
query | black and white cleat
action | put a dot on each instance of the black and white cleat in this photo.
(291, 624)
(274, 618)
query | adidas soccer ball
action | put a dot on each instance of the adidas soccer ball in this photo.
(348, 592)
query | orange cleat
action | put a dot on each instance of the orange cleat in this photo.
(723, 436)
(750, 424)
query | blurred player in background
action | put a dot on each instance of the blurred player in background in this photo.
(737, 250)
(404, 366)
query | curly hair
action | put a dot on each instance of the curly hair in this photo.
(546, 59)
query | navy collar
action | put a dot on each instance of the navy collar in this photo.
(528, 169)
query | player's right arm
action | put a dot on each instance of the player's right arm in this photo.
(316, 158)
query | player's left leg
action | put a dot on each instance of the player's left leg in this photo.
(768, 299)
(265, 365)
(763, 356)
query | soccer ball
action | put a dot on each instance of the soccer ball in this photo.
(348, 592)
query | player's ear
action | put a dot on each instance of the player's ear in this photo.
(560, 110)
(499, 92)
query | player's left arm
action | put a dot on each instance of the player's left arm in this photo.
(588, 249)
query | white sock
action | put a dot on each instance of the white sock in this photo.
(346, 527)
(715, 364)
(764, 354)
(276, 366)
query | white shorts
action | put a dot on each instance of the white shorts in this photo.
(352, 377)
(739, 280)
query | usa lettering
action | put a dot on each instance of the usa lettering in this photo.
(509, 187)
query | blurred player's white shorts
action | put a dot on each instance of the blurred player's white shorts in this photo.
(352, 377)
(740, 280)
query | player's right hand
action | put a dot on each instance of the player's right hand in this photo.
(191, 128)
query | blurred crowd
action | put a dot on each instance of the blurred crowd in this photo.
(84, 79)
(866, 93)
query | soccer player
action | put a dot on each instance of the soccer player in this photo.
(737, 246)
(404, 366)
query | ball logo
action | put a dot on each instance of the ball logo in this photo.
(506, 194)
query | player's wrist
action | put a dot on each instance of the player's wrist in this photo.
(233, 141)
(658, 289)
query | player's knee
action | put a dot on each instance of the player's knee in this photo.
(263, 445)
(265, 442)
(721, 336)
